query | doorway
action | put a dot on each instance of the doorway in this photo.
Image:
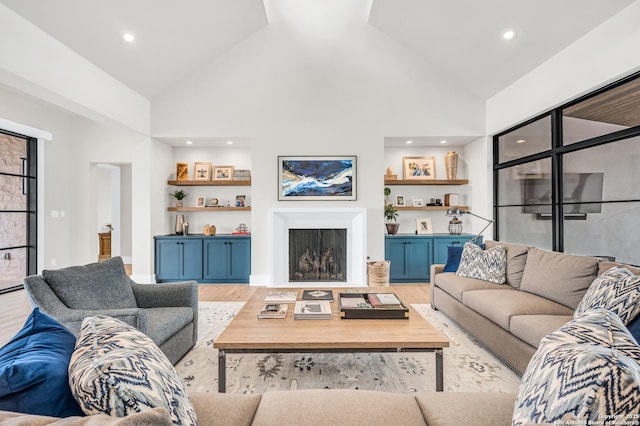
(18, 209)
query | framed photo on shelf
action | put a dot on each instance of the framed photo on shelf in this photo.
(240, 200)
(418, 202)
(419, 168)
(423, 226)
(182, 171)
(222, 172)
(200, 201)
(317, 178)
(202, 171)
(400, 202)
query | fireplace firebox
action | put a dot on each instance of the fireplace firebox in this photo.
(317, 255)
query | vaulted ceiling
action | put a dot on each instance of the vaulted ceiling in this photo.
(463, 38)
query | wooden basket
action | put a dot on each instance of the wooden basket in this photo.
(378, 273)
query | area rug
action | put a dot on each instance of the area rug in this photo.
(467, 366)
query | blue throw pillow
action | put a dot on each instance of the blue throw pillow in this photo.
(454, 253)
(33, 369)
(634, 328)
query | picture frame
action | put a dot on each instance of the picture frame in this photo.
(222, 173)
(202, 171)
(240, 200)
(182, 171)
(303, 178)
(400, 201)
(418, 202)
(419, 168)
(423, 226)
(200, 201)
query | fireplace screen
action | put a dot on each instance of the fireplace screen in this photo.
(317, 255)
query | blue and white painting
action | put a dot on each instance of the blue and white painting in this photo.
(317, 178)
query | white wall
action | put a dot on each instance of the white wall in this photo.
(317, 86)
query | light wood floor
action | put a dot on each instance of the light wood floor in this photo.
(16, 308)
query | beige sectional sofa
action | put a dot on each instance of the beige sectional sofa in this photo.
(317, 407)
(541, 292)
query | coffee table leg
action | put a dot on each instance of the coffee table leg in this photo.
(222, 371)
(439, 373)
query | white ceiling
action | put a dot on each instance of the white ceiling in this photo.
(174, 38)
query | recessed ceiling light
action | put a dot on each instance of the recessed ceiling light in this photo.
(509, 34)
(443, 141)
(128, 37)
(229, 142)
(189, 142)
(409, 142)
(520, 141)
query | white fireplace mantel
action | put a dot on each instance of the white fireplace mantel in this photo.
(354, 220)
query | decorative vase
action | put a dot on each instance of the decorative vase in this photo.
(179, 203)
(451, 165)
(179, 229)
(392, 228)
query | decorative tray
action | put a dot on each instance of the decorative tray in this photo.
(368, 306)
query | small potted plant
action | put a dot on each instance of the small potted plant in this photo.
(179, 195)
(391, 215)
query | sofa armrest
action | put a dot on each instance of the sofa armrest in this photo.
(436, 268)
(179, 294)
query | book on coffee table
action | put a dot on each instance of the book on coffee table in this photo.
(385, 300)
(317, 295)
(274, 310)
(281, 297)
(312, 309)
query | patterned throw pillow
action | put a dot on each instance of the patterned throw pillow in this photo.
(617, 290)
(117, 370)
(587, 368)
(487, 265)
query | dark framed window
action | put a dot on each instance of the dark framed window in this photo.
(18, 209)
(575, 189)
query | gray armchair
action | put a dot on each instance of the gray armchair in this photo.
(167, 313)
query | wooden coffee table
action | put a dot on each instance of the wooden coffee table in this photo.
(248, 334)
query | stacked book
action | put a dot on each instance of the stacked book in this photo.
(312, 309)
(274, 310)
(281, 297)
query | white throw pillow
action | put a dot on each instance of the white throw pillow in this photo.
(617, 290)
(117, 370)
(487, 265)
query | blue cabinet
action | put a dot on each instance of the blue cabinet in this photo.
(227, 259)
(217, 259)
(411, 256)
(178, 259)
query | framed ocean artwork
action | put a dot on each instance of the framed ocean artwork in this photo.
(317, 178)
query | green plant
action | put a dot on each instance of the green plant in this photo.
(179, 194)
(390, 213)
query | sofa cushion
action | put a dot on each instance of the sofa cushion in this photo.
(533, 328)
(117, 370)
(33, 369)
(605, 265)
(587, 368)
(488, 265)
(510, 303)
(215, 408)
(617, 290)
(153, 417)
(560, 277)
(516, 259)
(96, 286)
(454, 254)
(480, 408)
(456, 285)
(342, 407)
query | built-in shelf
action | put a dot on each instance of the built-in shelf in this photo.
(426, 182)
(208, 209)
(430, 208)
(210, 182)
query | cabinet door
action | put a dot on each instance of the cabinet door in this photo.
(215, 259)
(191, 259)
(168, 259)
(238, 260)
(419, 260)
(395, 250)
